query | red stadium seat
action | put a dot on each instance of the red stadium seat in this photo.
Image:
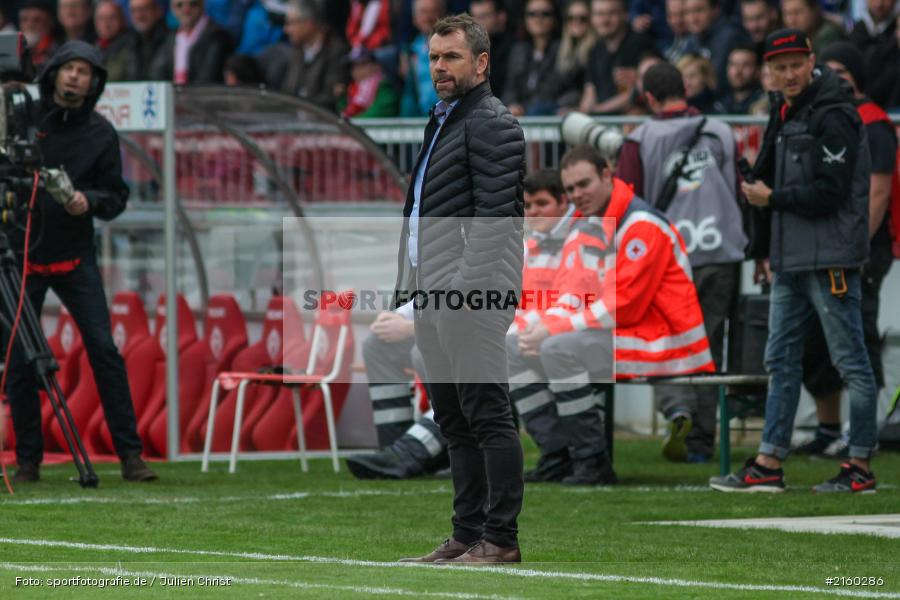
(225, 334)
(129, 329)
(268, 353)
(190, 371)
(67, 347)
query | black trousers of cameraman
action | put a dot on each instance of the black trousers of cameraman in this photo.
(81, 291)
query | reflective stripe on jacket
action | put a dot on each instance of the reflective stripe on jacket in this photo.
(640, 284)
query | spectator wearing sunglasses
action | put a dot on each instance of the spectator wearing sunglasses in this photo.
(197, 50)
(571, 63)
(531, 72)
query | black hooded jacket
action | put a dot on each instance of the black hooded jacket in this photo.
(815, 158)
(87, 146)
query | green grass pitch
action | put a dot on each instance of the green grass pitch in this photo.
(279, 533)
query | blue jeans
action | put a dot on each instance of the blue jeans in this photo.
(796, 300)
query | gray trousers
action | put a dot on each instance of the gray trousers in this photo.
(717, 288)
(389, 386)
(554, 394)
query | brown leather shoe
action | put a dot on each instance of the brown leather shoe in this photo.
(484, 553)
(134, 469)
(27, 473)
(449, 548)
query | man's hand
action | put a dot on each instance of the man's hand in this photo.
(391, 328)
(762, 273)
(530, 339)
(757, 193)
(78, 205)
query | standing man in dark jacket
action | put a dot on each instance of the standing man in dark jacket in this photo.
(311, 63)
(462, 243)
(72, 134)
(819, 376)
(146, 45)
(196, 52)
(813, 175)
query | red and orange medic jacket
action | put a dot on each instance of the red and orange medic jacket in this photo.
(641, 286)
(543, 256)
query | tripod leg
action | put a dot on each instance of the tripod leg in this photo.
(87, 476)
(38, 355)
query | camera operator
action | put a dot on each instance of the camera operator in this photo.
(73, 135)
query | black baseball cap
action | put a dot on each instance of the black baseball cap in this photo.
(784, 41)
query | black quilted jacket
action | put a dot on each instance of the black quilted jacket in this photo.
(470, 227)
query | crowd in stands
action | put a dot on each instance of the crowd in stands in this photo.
(369, 58)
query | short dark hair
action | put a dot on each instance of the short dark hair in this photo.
(744, 47)
(583, 153)
(476, 37)
(244, 67)
(547, 180)
(664, 81)
(811, 4)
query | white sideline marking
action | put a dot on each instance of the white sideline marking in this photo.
(349, 494)
(509, 571)
(195, 499)
(877, 525)
(114, 571)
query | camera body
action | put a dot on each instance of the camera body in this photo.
(17, 127)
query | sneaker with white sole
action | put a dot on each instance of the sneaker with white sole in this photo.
(751, 478)
(851, 480)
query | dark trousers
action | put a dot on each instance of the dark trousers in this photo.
(81, 291)
(717, 289)
(465, 360)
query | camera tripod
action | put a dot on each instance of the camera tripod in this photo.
(39, 357)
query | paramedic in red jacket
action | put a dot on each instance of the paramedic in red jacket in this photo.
(625, 307)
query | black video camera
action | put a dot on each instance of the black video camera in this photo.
(20, 156)
(17, 128)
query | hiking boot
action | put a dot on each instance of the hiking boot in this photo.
(134, 469)
(449, 548)
(595, 470)
(554, 466)
(387, 464)
(674, 448)
(28, 472)
(851, 480)
(484, 553)
(751, 478)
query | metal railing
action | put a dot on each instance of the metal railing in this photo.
(401, 139)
